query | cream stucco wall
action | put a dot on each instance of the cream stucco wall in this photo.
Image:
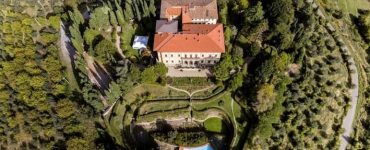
(204, 21)
(188, 59)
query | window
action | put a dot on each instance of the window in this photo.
(171, 55)
(179, 55)
(191, 56)
(196, 55)
(209, 61)
(202, 55)
(202, 61)
(165, 55)
(210, 55)
(216, 55)
(215, 61)
(172, 61)
(186, 56)
(166, 61)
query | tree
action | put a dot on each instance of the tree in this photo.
(77, 144)
(281, 62)
(364, 20)
(65, 108)
(160, 69)
(114, 93)
(105, 50)
(54, 22)
(265, 98)
(113, 18)
(149, 75)
(90, 35)
(281, 15)
(237, 82)
(100, 18)
(223, 68)
(134, 73)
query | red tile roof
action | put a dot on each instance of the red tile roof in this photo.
(173, 11)
(193, 38)
(197, 9)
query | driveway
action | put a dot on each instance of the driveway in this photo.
(173, 72)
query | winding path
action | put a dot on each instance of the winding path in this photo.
(348, 120)
(194, 92)
(234, 119)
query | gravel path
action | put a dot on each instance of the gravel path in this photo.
(191, 94)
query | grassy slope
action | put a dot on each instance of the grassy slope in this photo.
(351, 6)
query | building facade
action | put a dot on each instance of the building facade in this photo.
(191, 60)
(199, 42)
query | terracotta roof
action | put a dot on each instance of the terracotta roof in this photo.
(173, 11)
(198, 9)
(195, 38)
(186, 18)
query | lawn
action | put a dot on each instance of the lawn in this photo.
(151, 106)
(351, 6)
(190, 83)
(152, 91)
(224, 102)
(214, 124)
(179, 113)
(208, 93)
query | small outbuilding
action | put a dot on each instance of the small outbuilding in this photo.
(140, 42)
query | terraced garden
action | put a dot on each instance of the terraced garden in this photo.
(145, 105)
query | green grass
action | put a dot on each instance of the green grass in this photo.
(190, 83)
(163, 106)
(351, 6)
(224, 101)
(180, 113)
(153, 91)
(214, 124)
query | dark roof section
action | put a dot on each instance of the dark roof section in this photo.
(166, 26)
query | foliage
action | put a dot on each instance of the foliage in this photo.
(223, 68)
(265, 98)
(105, 51)
(38, 106)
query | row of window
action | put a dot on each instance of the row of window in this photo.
(191, 56)
(195, 62)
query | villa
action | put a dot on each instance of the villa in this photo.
(188, 34)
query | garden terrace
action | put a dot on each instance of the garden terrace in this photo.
(146, 110)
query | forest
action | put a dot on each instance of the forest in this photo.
(290, 74)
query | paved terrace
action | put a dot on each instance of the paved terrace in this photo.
(188, 72)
